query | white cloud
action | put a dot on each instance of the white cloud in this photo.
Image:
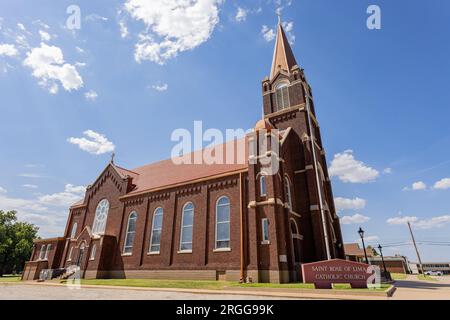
(371, 238)
(434, 222)
(387, 171)
(355, 219)
(2, 190)
(96, 17)
(443, 184)
(21, 205)
(69, 196)
(47, 63)
(30, 175)
(348, 169)
(172, 26)
(8, 50)
(401, 220)
(241, 14)
(419, 185)
(123, 29)
(42, 24)
(161, 87)
(48, 212)
(427, 223)
(30, 186)
(349, 204)
(91, 95)
(268, 34)
(21, 27)
(34, 165)
(95, 143)
(45, 36)
(289, 28)
(79, 50)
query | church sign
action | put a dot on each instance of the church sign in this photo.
(324, 273)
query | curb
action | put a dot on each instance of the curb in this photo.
(268, 292)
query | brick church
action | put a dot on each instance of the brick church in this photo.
(216, 221)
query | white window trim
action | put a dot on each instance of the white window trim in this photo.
(94, 225)
(73, 232)
(70, 254)
(153, 229)
(222, 222)
(47, 251)
(42, 252)
(183, 226)
(265, 241)
(280, 86)
(287, 182)
(93, 252)
(184, 251)
(127, 235)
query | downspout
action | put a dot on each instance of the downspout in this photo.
(319, 189)
(241, 216)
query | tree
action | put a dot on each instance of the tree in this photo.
(16, 242)
(374, 251)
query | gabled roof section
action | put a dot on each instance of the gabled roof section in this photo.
(167, 173)
(353, 249)
(283, 58)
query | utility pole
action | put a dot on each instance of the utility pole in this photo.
(415, 246)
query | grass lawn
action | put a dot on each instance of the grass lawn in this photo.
(398, 276)
(425, 277)
(9, 278)
(210, 285)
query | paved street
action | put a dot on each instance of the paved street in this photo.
(414, 289)
(409, 289)
(42, 292)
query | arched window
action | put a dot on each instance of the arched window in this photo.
(187, 224)
(49, 247)
(42, 253)
(262, 186)
(93, 251)
(101, 214)
(287, 191)
(282, 95)
(73, 233)
(295, 240)
(223, 223)
(155, 237)
(131, 232)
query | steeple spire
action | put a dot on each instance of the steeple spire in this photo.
(283, 58)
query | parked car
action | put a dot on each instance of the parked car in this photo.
(434, 273)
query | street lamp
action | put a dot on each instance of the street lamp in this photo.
(361, 234)
(384, 264)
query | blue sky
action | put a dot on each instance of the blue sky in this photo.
(382, 98)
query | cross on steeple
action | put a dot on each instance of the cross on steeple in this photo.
(113, 155)
(279, 16)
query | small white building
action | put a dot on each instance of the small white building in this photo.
(444, 267)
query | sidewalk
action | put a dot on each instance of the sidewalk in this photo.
(260, 292)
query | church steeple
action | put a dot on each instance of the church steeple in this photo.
(283, 58)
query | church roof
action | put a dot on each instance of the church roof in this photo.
(353, 249)
(283, 58)
(167, 173)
